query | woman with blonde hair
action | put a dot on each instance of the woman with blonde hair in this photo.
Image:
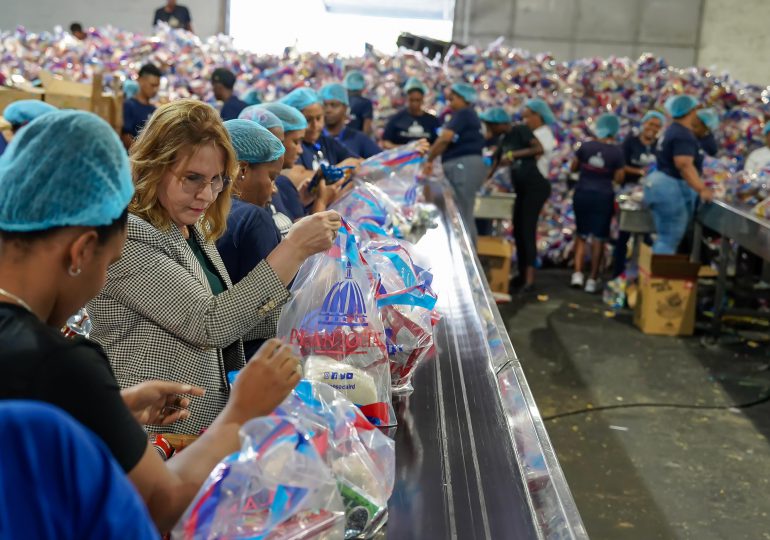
(168, 309)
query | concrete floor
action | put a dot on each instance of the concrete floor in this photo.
(654, 472)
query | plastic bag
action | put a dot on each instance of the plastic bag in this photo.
(332, 319)
(278, 487)
(361, 457)
(372, 212)
(383, 164)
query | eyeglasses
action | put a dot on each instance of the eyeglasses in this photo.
(195, 183)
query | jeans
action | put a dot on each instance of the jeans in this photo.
(465, 175)
(672, 203)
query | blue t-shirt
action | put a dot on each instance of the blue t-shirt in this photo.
(403, 128)
(637, 154)
(357, 142)
(3, 144)
(706, 146)
(598, 163)
(232, 108)
(135, 114)
(178, 18)
(250, 237)
(289, 197)
(360, 109)
(468, 139)
(676, 141)
(325, 149)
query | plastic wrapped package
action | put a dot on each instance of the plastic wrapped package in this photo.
(332, 319)
(372, 212)
(277, 487)
(386, 163)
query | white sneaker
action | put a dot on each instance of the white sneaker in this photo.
(578, 280)
(592, 285)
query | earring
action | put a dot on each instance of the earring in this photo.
(74, 273)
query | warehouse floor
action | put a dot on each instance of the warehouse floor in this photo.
(651, 472)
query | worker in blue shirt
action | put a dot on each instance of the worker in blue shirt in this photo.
(138, 109)
(412, 123)
(176, 16)
(705, 125)
(223, 82)
(361, 108)
(335, 102)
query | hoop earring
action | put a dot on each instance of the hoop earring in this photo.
(74, 273)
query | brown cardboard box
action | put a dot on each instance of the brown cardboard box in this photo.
(9, 95)
(495, 256)
(667, 294)
(85, 97)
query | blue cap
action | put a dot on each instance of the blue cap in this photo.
(335, 92)
(495, 115)
(653, 114)
(130, 88)
(253, 143)
(261, 116)
(354, 81)
(301, 98)
(252, 97)
(607, 125)
(65, 169)
(292, 119)
(21, 112)
(679, 106)
(710, 118)
(413, 83)
(766, 129)
(465, 91)
(541, 108)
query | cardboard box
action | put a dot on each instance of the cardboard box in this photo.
(9, 95)
(495, 256)
(667, 294)
(85, 97)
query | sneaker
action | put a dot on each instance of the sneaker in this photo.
(592, 285)
(578, 280)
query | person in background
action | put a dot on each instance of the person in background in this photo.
(459, 145)
(497, 123)
(639, 154)
(538, 116)
(412, 123)
(671, 190)
(175, 15)
(20, 113)
(223, 82)
(361, 108)
(601, 164)
(760, 158)
(705, 126)
(56, 247)
(335, 102)
(76, 29)
(138, 109)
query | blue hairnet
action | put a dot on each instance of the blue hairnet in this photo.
(261, 116)
(130, 88)
(541, 108)
(766, 129)
(67, 168)
(252, 98)
(607, 125)
(679, 106)
(354, 81)
(301, 98)
(335, 92)
(495, 115)
(465, 91)
(710, 118)
(252, 142)
(292, 119)
(653, 114)
(20, 112)
(413, 83)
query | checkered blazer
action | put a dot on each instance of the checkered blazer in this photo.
(157, 318)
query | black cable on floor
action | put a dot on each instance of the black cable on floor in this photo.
(747, 405)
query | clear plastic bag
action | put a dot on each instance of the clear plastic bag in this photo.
(332, 320)
(278, 487)
(372, 212)
(403, 158)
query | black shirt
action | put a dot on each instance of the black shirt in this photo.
(520, 137)
(37, 362)
(178, 18)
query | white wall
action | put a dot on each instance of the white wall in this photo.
(735, 36)
(133, 15)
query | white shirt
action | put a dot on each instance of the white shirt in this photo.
(757, 160)
(545, 136)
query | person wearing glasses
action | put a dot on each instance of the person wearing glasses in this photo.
(168, 309)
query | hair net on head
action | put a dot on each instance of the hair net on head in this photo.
(710, 118)
(766, 129)
(65, 169)
(653, 114)
(292, 119)
(335, 92)
(354, 81)
(607, 125)
(679, 106)
(413, 83)
(252, 142)
(301, 98)
(541, 108)
(130, 88)
(20, 112)
(261, 116)
(465, 91)
(495, 115)
(252, 97)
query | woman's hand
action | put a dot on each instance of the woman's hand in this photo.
(427, 169)
(706, 194)
(314, 234)
(159, 402)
